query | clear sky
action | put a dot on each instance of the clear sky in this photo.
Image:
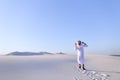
(55, 25)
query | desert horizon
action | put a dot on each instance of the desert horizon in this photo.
(44, 39)
(59, 67)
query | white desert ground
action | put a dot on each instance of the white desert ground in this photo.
(59, 67)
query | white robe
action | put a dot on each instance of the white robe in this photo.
(80, 53)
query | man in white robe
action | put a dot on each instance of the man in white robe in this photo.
(79, 47)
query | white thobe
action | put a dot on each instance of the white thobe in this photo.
(80, 53)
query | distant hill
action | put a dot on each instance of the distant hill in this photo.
(27, 53)
(115, 55)
(60, 53)
(30, 53)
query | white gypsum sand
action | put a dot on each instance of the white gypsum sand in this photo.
(57, 67)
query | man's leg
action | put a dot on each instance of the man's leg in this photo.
(80, 66)
(83, 67)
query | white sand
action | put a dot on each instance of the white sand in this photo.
(56, 67)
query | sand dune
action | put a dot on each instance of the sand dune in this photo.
(57, 67)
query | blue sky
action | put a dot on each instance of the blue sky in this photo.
(55, 25)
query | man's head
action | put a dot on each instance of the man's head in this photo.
(79, 42)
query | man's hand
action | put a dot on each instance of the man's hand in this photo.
(84, 43)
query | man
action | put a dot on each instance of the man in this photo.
(79, 47)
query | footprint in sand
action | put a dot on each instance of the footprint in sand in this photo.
(94, 75)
